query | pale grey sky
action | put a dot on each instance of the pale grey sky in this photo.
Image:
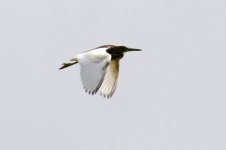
(170, 96)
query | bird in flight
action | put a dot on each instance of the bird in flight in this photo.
(100, 68)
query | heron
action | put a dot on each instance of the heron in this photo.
(100, 68)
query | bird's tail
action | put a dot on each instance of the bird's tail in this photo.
(68, 64)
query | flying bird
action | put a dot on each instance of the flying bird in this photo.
(100, 68)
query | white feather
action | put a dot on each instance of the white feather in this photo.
(109, 84)
(93, 64)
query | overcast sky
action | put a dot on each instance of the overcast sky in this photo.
(170, 96)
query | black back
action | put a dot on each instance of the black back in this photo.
(116, 52)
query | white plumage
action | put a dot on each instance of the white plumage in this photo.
(99, 69)
(94, 65)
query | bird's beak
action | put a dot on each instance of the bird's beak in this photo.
(133, 49)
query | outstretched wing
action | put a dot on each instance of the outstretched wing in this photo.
(93, 68)
(109, 84)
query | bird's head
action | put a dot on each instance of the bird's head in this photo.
(127, 49)
(117, 52)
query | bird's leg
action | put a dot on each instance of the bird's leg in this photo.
(67, 64)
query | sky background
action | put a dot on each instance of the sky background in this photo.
(170, 96)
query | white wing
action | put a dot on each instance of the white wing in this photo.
(108, 87)
(93, 68)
